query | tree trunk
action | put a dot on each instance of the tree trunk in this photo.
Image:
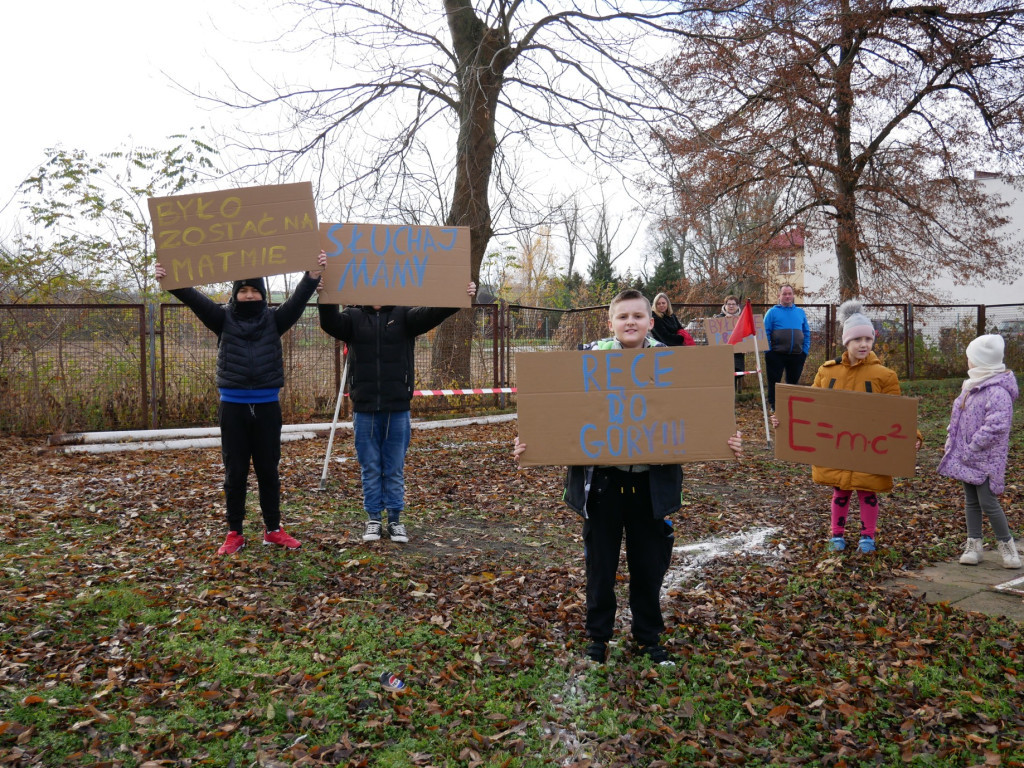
(846, 175)
(483, 54)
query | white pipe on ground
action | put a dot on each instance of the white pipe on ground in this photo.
(209, 437)
(84, 438)
(165, 445)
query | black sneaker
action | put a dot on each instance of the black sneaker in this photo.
(396, 531)
(373, 529)
(656, 654)
(597, 651)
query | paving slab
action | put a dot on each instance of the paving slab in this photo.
(984, 588)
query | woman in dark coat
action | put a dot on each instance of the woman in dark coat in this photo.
(667, 328)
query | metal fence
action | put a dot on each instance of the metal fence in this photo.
(77, 367)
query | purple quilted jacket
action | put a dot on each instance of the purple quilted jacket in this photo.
(979, 433)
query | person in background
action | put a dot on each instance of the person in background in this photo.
(382, 372)
(250, 374)
(858, 370)
(978, 443)
(667, 328)
(634, 500)
(731, 308)
(789, 342)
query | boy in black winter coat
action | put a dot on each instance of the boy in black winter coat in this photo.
(250, 374)
(381, 346)
(634, 500)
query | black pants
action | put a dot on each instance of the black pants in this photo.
(251, 432)
(777, 363)
(621, 502)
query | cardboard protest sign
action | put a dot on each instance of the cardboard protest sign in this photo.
(717, 330)
(396, 264)
(236, 234)
(659, 405)
(835, 428)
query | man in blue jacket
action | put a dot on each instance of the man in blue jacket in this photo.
(789, 341)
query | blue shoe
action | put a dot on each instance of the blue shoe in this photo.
(867, 544)
(837, 543)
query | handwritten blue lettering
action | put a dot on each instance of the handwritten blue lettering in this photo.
(635, 442)
(616, 408)
(408, 272)
(611, 375)
(660, 373)
(354, 239)
(357, 269)
(381, 251)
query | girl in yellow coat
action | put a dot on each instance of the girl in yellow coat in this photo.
(858, 370)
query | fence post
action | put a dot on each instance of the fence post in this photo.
(981, 319)
(495, 308)
(502, 334)
(909, 336)
(153, 399)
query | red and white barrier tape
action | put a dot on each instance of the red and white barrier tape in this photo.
(483, 391)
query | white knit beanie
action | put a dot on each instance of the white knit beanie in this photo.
(986, 350)
(855, 322)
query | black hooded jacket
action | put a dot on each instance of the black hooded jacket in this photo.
(381, 348)
(249, 334)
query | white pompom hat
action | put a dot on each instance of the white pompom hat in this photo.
(855, 322)
(986, 350)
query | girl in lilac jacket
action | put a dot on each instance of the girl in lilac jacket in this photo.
(977, 445)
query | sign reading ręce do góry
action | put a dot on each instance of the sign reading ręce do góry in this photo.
(657, 405)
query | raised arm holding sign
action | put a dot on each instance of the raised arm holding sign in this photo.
(381, 353)
(250, 374)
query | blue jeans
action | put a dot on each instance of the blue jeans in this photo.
(382, 438)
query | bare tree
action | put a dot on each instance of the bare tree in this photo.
(464, 88)
(569, 219)
(860, 120)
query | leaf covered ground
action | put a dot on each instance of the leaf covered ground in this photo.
(126, 641)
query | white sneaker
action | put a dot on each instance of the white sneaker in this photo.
(373, 529)
(1008, 549)
(972, 552)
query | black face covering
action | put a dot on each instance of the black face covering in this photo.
(249, 309)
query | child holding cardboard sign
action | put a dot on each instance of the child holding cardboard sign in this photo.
(382, 343)
(858, 370)
(635, 500)
(978, 443)
(250, 373)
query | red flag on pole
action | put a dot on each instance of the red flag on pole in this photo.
(744, 326)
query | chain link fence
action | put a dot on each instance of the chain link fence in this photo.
(67, 365)
(69, 368)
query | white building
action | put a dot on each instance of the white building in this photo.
(820, 274)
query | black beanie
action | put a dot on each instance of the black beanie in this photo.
(254, 282)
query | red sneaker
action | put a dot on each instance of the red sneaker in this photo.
(233, 543)
(280, 538)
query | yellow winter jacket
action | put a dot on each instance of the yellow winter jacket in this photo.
(867, 376)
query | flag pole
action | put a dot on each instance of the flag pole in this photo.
(760, 383)
(334, 425)
(745, 327)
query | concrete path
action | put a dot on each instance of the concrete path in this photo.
(985, 588)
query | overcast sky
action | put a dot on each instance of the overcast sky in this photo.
(101, 75)
(98, 75)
